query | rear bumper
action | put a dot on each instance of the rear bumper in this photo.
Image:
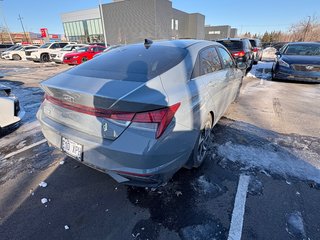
(132, 159)
(292, 75)
(15, 119)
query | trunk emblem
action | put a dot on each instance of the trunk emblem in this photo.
(68, 98)
(309, 67)
(105, 127)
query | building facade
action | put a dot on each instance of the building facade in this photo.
(218, 32)
(83, 26)
(130, 21)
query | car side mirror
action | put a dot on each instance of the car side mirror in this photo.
(241, 65)
(278, 53)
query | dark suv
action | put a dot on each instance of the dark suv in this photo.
(257, 49)
(240, 49)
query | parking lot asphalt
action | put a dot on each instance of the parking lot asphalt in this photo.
(261, 180)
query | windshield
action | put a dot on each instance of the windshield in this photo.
(46, 45)
(303, 49)
(18, 48)
(232, 45)
(83, 49)
(132, 63)
(67, 48)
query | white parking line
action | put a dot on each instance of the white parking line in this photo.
(236, 225)
(24, 149)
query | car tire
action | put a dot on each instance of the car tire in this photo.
(44, 57)
(16, 57)
(201, 147)
(84, 59)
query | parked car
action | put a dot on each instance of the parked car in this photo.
(298, 61)
(58, 55)
(82, 54)
(240, 49)
(5, 47)
(10, 109)
(141, 112)
(257, 49)
(42, 54)
(18, 53)
(13, 47)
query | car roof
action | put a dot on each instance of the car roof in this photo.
(306, 43)
(180, 43)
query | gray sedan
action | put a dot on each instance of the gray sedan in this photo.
(141, 112)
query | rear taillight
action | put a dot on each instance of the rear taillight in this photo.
(239, 54)
(255, 49)
(162, 117)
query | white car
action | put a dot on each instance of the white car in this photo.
(42, 54)
(18, 53)
(57, 56)
(10, 49)
(10, 108)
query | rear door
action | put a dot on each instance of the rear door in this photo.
(233, 76)
(209, 79)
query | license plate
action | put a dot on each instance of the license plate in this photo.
(71, 148)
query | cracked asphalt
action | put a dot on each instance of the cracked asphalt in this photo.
(272, 134)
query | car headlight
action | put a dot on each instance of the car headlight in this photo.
(283, 63)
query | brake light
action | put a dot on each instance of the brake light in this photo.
(255, 49)
(239, 54)
(162, 117)
(97, 112)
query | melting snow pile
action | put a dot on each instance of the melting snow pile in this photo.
(261, 70)
(281, 162)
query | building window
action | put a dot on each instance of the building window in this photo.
(214, 32)
(172, 24)
(177, 25)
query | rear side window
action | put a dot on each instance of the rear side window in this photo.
(132, 63)
(209, 61)
(253, 43)
(226, 58)
(232, 45)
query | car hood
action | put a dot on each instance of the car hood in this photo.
(294, 59)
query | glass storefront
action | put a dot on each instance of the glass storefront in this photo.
(86, 31)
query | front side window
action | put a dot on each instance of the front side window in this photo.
(46, 45)
(226, 58)
(55, 45)
(209, 61)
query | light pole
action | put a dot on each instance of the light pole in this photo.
(5, 22)
(103, 26)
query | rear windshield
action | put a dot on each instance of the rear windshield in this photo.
(132, 63)
(232, 45)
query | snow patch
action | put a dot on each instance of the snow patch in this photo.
(281, 162)
(295, 225)
(43, 184)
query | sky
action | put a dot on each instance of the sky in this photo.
(248, 16)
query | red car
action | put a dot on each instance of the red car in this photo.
(82, 54)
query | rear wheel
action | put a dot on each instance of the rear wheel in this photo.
(201, 148)
(16, 57)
